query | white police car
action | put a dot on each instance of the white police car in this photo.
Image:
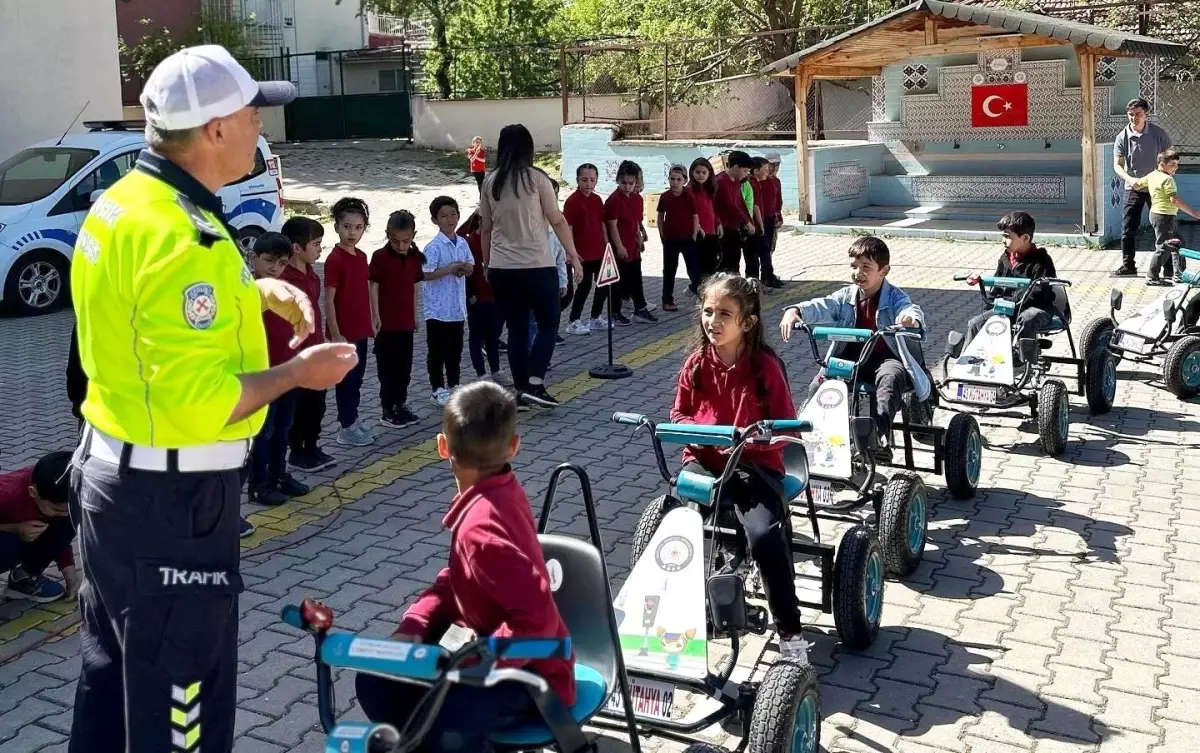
(47, 190)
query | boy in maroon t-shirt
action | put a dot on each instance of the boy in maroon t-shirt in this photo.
(623, 213)
(269, 481)
(678, 229)
(485, 322)
(348, 313)
(584, 211)
(394, 273)
(35, 530)
(306, 234)
(772, 209)
(496, 582)
(736, 221)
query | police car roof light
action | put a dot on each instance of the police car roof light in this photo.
(114, 125)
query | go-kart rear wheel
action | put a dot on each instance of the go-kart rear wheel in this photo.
(964, 456)
(858, 588)
(1096, 335)
(787, 711)
(1100, 381)
(1053, 416)
(1181, 367)
(903, 522)
(647, 525)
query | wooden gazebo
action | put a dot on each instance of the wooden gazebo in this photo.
(931, 28)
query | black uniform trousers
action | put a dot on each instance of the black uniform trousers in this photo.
(159, 605)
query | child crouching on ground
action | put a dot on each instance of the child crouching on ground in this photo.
(734, 378)
(496, 583)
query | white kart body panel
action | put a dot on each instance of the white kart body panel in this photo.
(987, 359)
(1150, 322)
(828, 444)
(661, 612)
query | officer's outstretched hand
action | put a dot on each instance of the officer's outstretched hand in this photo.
(323, 366)
(290, 303)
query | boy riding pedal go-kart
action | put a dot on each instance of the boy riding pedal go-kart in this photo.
(1000, 363)
(875, 331)
(1165, 332)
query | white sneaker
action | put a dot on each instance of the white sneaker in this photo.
(440, 396)
(579, 327)
(793, 648)
(502, 378)
(599, 324)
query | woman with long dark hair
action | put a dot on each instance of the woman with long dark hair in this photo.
(518, 208)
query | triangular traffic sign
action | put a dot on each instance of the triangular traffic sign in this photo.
(608, 270)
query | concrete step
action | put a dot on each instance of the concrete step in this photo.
(1049, 234)
(963, 213)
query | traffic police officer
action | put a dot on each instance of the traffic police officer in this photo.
(171, 338)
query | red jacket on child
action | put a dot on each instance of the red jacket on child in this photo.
(712, 393)
(496, 582)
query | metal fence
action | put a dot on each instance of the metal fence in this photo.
(704, 88)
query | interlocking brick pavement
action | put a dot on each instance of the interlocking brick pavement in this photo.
(1055, 611)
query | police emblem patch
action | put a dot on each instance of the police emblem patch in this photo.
(199, 305)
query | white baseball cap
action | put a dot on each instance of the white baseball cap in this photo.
(200, 84)
(773, 158)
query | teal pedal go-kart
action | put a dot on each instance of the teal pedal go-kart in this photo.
(637, 701)
(995, 372)
(842, 449)
(1164, 333)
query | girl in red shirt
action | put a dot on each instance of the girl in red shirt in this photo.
(678, 229)
(734, 378)
(477, 160)
(584, 211)
(348, 312)
(703, 188)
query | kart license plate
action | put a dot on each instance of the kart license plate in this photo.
(974, 394)
(822, 491)
(1126, 341)
(653, 700)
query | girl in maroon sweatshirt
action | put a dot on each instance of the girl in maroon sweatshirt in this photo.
(733, 378)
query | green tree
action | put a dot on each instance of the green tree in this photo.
(505, 48)
(440, 13)
(157, 43)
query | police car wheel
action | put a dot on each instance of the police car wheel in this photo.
(246, 237)
(39, 282)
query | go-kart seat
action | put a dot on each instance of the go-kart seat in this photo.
(795, 470)
(582, 602)
(1061, 318)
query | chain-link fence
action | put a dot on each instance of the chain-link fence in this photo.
(705, 88)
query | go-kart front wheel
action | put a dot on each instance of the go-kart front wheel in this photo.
(787, 711)
(903, 522)
(647, 525)
(1053, 416)
(858, 572)
(1100, 381)
(964, 456)
(1096, 336)
(1181, 367)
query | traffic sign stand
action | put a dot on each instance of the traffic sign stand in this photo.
(609, 275)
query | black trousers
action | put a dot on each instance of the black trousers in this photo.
(478, 179)
(734, 248)
(708, 253)
(591, 271)
(444, 343)
(268, 458)
(348, 392)
(159, 608)
(756, 495)
(306, 420)
(35, 556)
(484, 324)
(393, 360)
(673, 248)
(631, 283)
(520, 292)
(1135, 202)
(766, 249)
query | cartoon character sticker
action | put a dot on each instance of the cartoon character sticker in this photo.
(675, 644)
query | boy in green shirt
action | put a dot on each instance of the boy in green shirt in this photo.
(1164, 206)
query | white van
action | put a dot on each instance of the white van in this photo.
(47, 190)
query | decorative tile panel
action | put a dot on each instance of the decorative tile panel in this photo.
(841, 181)
(1053, 107)
(1148, 82)
(1106, 71)
(916, 77)
(878, 99)
(1116, 192)
(990, 189)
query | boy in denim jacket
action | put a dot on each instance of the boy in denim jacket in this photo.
(898, 364)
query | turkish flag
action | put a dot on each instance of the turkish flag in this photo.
(999, 105)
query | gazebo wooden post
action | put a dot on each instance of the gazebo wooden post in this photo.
(1087, 77)
(802, 80)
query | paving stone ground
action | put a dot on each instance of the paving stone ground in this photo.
(1056, 611)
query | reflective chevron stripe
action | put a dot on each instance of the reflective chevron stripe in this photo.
(185, 716)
